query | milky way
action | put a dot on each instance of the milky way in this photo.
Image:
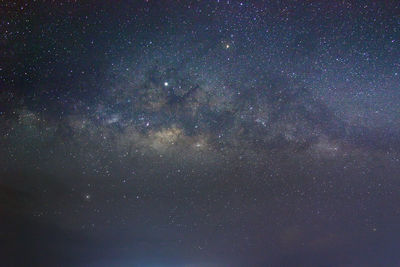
(200, 133)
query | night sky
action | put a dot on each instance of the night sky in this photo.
(199, 133)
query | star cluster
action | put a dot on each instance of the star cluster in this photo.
(204, 133)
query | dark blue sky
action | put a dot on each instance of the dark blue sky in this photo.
(200, 133)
